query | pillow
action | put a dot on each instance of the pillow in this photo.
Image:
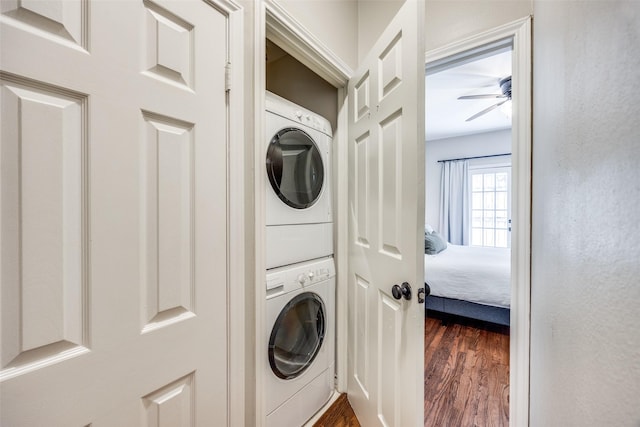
(434, 243)
(428, 229)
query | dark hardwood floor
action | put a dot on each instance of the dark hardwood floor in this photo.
(466, 377)
(466, 374)
(339, 415)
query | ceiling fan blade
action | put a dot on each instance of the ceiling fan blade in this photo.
(486, 110)
(487, 96)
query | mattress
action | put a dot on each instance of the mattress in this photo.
(470, 273)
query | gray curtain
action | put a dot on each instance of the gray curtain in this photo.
(454, 202)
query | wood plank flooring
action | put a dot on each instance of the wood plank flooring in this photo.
(466, 377)
(340, 414)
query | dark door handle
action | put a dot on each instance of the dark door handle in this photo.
(400, 291)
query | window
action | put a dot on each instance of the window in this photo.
(491, 207)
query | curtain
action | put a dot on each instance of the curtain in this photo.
(454, 202)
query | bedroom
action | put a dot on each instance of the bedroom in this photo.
(467, 231)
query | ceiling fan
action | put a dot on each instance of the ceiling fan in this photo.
(505, 88)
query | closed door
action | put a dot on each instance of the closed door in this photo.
(113, 213)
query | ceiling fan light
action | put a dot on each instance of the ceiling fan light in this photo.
(507, 109)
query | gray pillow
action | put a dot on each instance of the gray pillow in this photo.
(433, 243)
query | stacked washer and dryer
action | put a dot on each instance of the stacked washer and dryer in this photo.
(300, 277)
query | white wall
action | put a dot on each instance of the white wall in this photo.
(482, 144)
(373, 18)
(450, 21)
(585, 291)
(334, 22)
(445, 21)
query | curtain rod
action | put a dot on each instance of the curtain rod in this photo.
(476, 157)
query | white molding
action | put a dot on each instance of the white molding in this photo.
(520, 33)
(341, 216)
(236, 304)
(228, 7)
(259, 186)
(502, 32)
(521, 252)
(295, 39)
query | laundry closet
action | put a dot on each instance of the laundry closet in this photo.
(299, 342)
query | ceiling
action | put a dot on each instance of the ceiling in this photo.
(445, 114)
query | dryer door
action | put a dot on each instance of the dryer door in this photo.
(294, 167)
(297, 335)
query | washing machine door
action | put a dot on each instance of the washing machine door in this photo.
(297, 335)
(294, 167)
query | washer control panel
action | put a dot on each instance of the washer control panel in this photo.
(299, 275)
(313, 276)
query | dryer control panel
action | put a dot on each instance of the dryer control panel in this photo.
(287, 109)
(292, 277)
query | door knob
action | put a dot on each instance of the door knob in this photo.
(399, 291)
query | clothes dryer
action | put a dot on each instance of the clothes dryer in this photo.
(299, 341)
(298, 200)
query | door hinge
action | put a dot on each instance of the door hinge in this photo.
(227, 77)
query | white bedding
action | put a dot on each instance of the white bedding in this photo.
(470, 273)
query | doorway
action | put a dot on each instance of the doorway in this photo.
(468, 146)
(487, 210)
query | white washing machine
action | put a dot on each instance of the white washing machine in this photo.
(299, 341)
(298, 200)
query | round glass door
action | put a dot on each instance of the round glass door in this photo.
(297, 335)
(294, 167)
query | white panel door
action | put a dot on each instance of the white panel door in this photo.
(386, 197)
(113, 213)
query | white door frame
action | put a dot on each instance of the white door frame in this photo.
(237, 250)
(519, 32)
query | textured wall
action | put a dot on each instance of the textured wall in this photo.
(585, 342)
(453, 20)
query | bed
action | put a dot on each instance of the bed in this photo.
(470, 281)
